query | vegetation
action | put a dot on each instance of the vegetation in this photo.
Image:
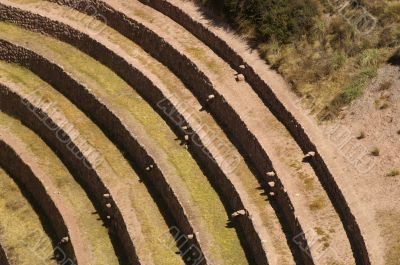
(393, 173)
(375, 151)
(317, 204)
(361, 135)
(329, 53)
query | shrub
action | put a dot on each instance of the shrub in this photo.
(283, 20)
(361, 135)
(370, 57)
(375, 151)
(317, 204)
(385, 85)
(393, 173)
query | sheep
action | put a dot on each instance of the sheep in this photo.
(108, 205)
(242, 66)
(106, 195)
(190, 236)
(64, 240)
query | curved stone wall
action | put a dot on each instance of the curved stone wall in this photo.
(109, 123)
(23, 174)
(228, 119)
(19, 107)
(225, 51)
(148, 90)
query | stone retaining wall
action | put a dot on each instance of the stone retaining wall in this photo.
(223, 113)
(19, 107)
(226, 52)
(23, 174)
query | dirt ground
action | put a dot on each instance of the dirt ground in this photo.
(372, 125)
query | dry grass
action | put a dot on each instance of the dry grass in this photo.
(390, 223)
(393, 173)
(19, 239)
(317, 204)
(331, 63)
(375, 151)
(95, 234)
(361, 135)
(382, 102)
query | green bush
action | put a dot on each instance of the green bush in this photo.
(283, 21)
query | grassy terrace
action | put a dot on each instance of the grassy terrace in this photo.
(316, 204)
(175, 87)
(106, 85)
(20, 240)
(182, 94)
(151, 221)
(93, 232)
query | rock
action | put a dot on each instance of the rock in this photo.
(309, 155)
(271, 184)
(238, 213)
(271, 174)
(240, 77)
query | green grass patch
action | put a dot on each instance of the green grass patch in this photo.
(21, 228)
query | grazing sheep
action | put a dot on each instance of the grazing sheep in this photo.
(64, 240)
(108, 205)
(184, 127)
(190, 236)
(186, 137)
(242, 66)
(272, 193)
(106, 195)
(210, 97)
